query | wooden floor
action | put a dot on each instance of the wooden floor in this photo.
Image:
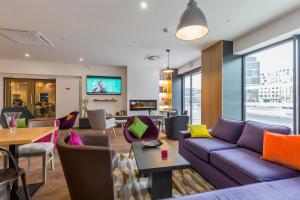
(56, 188)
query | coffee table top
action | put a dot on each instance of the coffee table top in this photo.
(149, 160)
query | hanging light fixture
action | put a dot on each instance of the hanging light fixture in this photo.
(168, 70)
(192, 24)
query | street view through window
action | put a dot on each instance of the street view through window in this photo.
(269, 85)
(192, 97)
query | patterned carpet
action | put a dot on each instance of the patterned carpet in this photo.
(129, 185)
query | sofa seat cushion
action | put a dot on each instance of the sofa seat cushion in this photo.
(287, 189)
(203, 146)
(246, 167)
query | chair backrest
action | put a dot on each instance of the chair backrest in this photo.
(151, 133)
(67, 124)
(25, 114)
(175, 124)
(43, 123)
(87, 169)
(97, 119)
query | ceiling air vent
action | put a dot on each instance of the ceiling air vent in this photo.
(26, 37)
(152, 57)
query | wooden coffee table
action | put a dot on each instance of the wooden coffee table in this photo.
(159, 171)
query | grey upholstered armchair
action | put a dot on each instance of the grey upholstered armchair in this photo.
(175, 124)
(99, 121)
(88, 169)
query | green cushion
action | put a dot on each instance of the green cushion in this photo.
(21, 123)
(137, 127)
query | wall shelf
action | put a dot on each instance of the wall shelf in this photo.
(105, 100)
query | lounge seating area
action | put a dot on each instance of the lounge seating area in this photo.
(149, 100)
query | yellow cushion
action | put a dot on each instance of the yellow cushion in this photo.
(199, 131)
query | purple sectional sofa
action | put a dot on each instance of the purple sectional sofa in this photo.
(232, 158)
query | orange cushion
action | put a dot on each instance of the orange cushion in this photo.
(69, 116)
(282, 149)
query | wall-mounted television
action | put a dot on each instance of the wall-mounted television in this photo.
(103, 85)
(135, 105)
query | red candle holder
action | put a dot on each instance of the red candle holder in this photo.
(164, 154)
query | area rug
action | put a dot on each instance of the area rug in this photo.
(130, 185)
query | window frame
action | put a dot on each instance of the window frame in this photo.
(189, 74)
(296, 75)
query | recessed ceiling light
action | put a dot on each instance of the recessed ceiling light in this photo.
(27, 55)
(143, 5)
(80, 59)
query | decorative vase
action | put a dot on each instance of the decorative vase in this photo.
(11, 120)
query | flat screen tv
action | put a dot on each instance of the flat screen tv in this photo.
(103, 85)
(136, 105)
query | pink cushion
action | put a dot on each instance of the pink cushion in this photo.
(48, 137)
(74, 139)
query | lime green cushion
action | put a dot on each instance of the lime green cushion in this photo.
(137, 127)
(199, 131)
(21, 123)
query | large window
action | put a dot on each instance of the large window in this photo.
(192, 97)
(269, 91)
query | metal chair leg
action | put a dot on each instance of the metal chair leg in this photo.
(23, 177)
(5, 162)
(130, 152)
(114, 131)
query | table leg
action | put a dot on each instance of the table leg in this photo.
(160, 185)
(14, 151)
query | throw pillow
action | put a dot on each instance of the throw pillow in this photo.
(21, 123)
(137, 127)
(69, 117)
(199, 131)
(74, 139)
(282, 149)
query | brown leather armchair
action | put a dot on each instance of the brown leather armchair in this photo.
(88, 169)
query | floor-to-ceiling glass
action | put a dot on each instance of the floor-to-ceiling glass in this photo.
(196, 98)
(269, 85)
(192, 97)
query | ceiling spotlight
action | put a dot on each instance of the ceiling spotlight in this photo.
(27, 55)
(80, 59)
(144, 5)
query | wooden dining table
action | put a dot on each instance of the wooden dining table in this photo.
(19, 137)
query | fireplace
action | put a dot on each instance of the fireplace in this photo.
(137, 105)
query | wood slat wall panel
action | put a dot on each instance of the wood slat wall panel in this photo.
(211, 96)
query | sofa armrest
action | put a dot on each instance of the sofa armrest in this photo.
(185, 134)
(181, 137)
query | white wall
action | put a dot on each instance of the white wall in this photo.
(67, 76)
(273, 32)
(190, 66)
(142, 83)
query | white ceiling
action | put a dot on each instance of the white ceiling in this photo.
(120, 33)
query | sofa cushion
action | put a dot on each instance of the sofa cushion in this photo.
(287, 189)
(228, 130)
(246, 167)
(253, 135)
(203, 146)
